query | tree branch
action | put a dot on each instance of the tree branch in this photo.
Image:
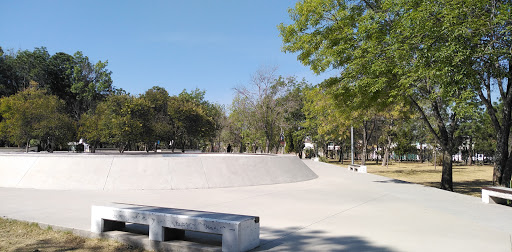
(425, 119)
(490, 109)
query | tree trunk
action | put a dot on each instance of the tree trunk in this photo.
(341, 154)
(507, 174)
(501, 156)
(470, 151)
(446, 178)
(385, 158)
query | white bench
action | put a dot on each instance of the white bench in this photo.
(239, 232)
(496, 195)
(357, 168)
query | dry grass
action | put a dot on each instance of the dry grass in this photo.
(466, 179)
(23, 236)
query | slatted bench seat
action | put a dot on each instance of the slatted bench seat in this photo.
(239, 232)
(357, 168)
(496, 195)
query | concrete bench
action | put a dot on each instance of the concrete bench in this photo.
(239, 232)
(357, 168)
(496, 195)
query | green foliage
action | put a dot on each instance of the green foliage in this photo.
(323, 121)
(398, 52)
(90, 83)
(265, 108)
(191, 119)
(32, 114)
(105, 115)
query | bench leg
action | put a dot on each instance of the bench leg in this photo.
(485, 196)
(230, 241)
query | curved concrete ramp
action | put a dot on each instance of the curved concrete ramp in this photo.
(148, 172)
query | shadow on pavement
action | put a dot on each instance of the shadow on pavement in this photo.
(294, 239)
(396, 181)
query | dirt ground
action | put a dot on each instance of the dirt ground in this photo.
(466, 179)
(23, 236)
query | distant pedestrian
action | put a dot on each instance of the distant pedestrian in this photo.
(229, 148)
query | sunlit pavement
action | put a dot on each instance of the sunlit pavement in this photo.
(339, 211)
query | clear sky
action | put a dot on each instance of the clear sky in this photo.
(210, 45)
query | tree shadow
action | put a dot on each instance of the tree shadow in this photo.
(471, 187)
(409, 171)
(394, 181)
(297, 239)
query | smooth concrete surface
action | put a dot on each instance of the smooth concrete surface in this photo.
(338, 211)
(148, 172)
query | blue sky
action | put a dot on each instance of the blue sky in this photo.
(210, 45)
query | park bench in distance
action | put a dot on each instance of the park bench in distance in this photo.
(239, 232)
(496, 195)
(357, 168)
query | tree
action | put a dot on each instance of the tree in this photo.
(32, 66)
(60, 70)
(391, 52)
(489, 28)
(32, 114)
(242, 130)
(121, 120)
(7, 75)
(262, 97)
(192, 126)
(160, 127)
(294, 116)
(323, 122)
(91, 83)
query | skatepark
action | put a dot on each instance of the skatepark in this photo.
(302, 205)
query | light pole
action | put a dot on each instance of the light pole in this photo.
(352, 144)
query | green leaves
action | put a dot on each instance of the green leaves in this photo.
(32, 114)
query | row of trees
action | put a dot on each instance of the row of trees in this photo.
(183, 121)
(54, 99)
(444, 63)
(444, 59)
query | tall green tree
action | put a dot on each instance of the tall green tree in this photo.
(160, 127)
(391, 52)
(192, 125)
(32, 114)
(122, 120)
(90, 83)
(60, 71)
(488, 30)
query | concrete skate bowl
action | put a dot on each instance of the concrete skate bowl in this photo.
(148, 172)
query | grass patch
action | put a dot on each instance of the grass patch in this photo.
(24, 236)
(467, 180)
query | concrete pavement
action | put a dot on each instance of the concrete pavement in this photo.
(338, 211)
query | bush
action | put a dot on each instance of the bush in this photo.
(310, 153)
